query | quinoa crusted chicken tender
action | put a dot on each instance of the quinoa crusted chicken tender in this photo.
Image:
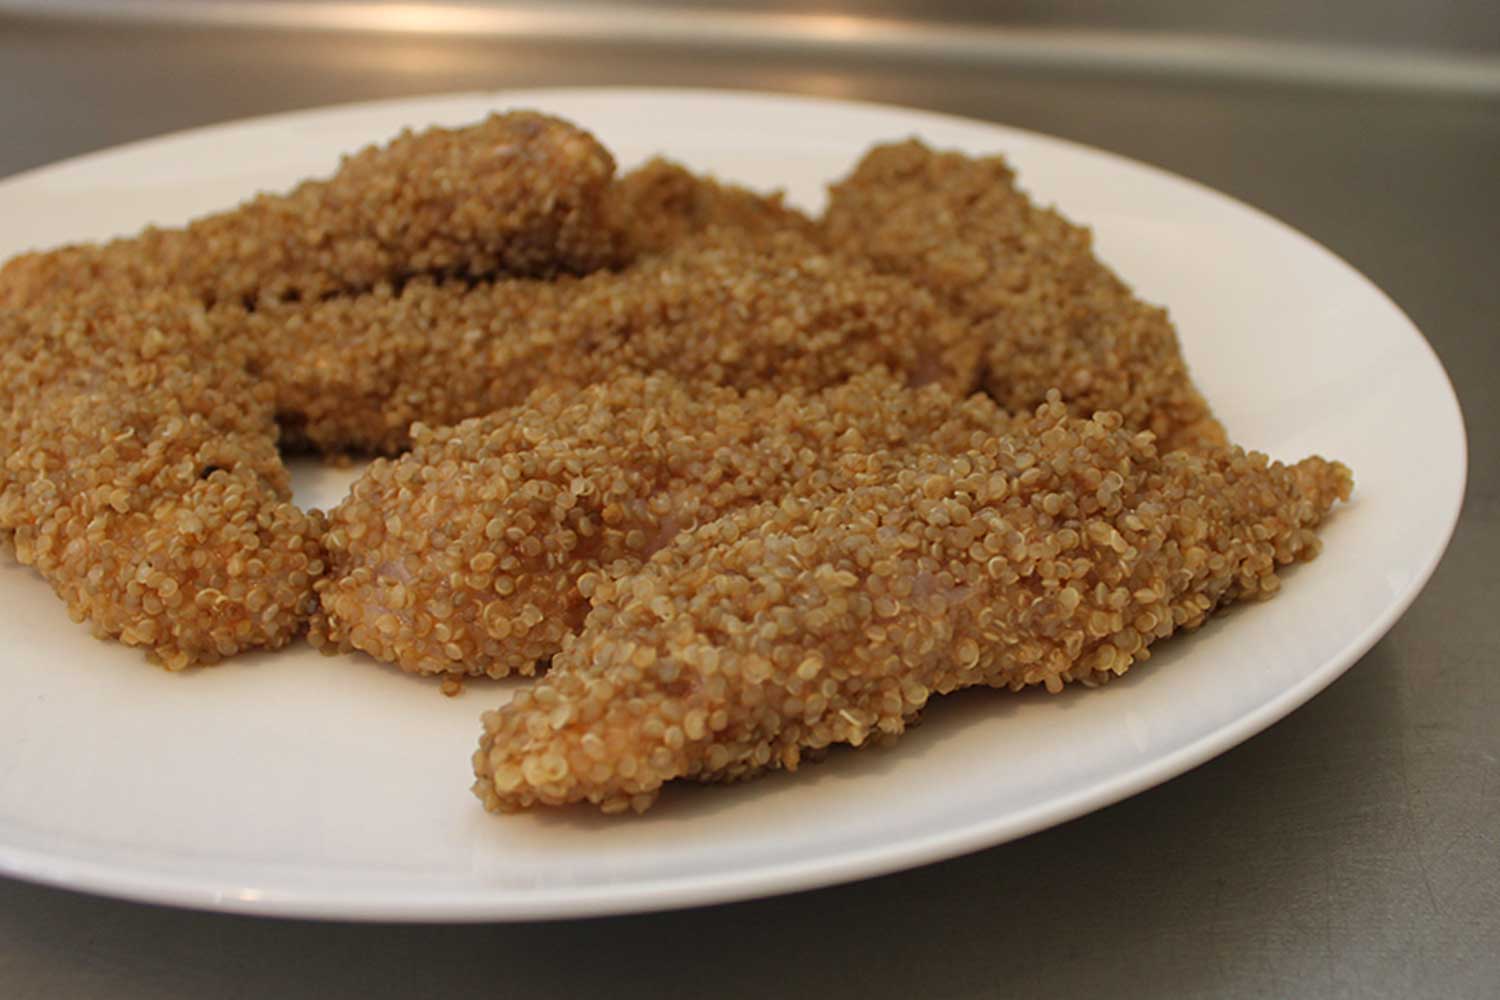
(1056, 553)
(355, 372)
(519, 193)
(476, 553)
(141, 480)
(1051, 314)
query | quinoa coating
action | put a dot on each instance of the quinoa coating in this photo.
(1052, 314)
(456, 272)
(353, 373)
(662, 205)
(1056, 553)
(141, 480)
(466, 555)
(519, 193)
(151, 383)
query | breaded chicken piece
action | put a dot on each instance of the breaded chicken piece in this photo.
(520, 193)
(1057, 553)
(1053, 316)
(476, 552)
(663, 205)
(354, 373)
(141, 480)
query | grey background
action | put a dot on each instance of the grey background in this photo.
(1351, 850)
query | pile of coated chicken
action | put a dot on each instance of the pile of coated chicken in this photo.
(745, 484)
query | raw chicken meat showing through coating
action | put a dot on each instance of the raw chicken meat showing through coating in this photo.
(1056, 553)
(476, 553)
(520, 193)
(1051, 314)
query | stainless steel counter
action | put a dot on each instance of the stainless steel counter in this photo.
(1351, 850)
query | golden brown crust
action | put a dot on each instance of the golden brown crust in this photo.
(355, 372)
(1053, 316)
(466, 555)
(1056, 553)
(520, 193)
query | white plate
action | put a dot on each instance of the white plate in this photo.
(294, 784)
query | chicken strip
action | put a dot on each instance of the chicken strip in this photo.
(1053, 316)
(141, 480)
(520, 193)
(355, 373)
(465, 556)
(1059, 552)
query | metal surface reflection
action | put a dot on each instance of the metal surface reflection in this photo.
(976, 43)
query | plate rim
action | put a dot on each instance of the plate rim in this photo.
(779, 877)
